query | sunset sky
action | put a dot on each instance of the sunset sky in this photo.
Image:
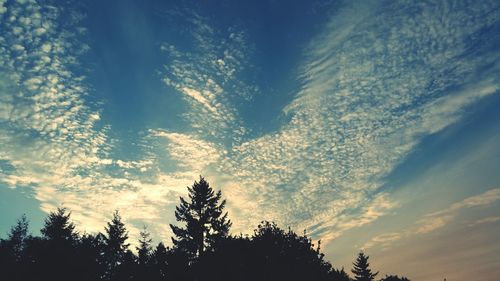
(373, 125)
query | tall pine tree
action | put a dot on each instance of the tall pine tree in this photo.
(115, 249)
(144, 249)
(58, 227)
(361, 269)
(17, 238)
(144, 256)
(204, 220)
(58, 259)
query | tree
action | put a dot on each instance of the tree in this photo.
(17, 237)
(361, 269)
(58, 227)
(205, 222)
(144, 256)
(115, 249)
(144, 249)
(90, 256)
(394, 278)
(339, 275)
(57, 253)
(159, 262)
(12, 250)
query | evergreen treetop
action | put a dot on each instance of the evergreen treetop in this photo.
(204, 220)
(361, 269)
(58, 227)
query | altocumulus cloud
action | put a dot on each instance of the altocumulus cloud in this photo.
(369, 93)
(52, 138)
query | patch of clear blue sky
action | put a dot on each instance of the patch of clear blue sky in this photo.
(481, 121)
(125, 57)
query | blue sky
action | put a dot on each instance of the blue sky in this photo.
(374, 125)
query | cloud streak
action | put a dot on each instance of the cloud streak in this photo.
(434, 221)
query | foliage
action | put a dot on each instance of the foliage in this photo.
(59, 228)
(203, 250)
(361, 269)
(205, 223)
(394, 278)
(115, 246)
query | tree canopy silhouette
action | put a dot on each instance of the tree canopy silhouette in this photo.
(203, 250)
(205, 222)
(394, 278)
(115, 246)
(361, 269)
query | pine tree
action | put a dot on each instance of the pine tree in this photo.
(17, 238)
(159, 262)
(144, 256)
(361, 269)
(144, 249)
(13, 249)
(204, 219)
(394, 278)
(115, 249)
(59, 228)
(58, 247)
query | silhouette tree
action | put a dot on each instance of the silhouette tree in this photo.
(205, 222)
(12, 250)
(17, 238)
(339, 275)
(178, 265)
(58, 227)
(361, 269)
(394, 278)
(270, 254)
(58, 246)
(90, 257)
(115, 246)
(144, 256)
(159, 262)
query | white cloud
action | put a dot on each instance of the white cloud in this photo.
(369, 94)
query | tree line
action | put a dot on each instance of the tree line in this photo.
(202, 249)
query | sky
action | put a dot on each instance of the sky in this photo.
(372, 125)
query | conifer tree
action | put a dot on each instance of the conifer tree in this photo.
(361, 269)
(115, 249)
(12, 250)
(144, 249)
(204, 220)
(144, 257)
(57, 255)
(59, 228)
(394, 278)
(17, 237)
(159, 262)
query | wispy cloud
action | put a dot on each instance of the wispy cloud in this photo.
(436, 220)
(209, 77)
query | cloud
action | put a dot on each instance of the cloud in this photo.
(436, 220)
(52, 137)
(485, 221)
(208, 76)
(369, 93)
